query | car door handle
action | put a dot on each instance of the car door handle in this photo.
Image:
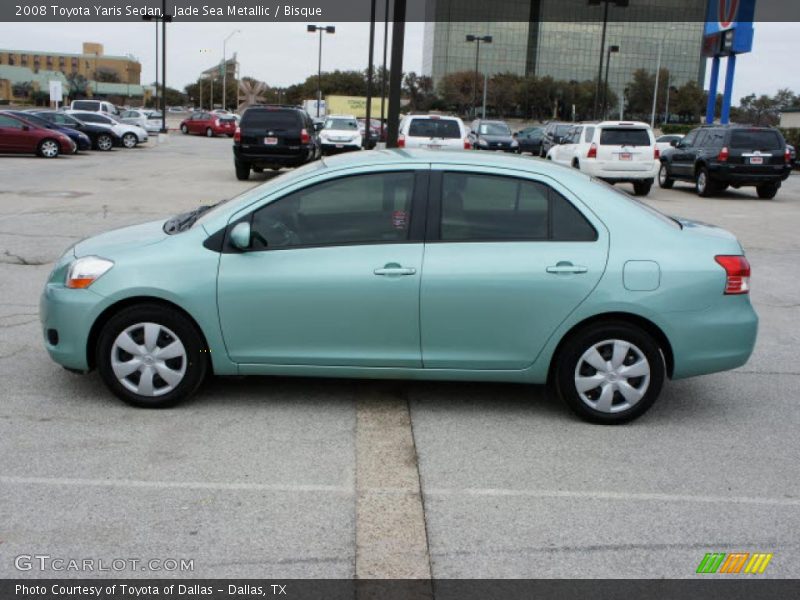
(566, 267)
(392, 270)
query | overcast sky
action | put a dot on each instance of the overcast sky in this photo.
(284, 53)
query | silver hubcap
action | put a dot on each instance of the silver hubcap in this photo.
(612, 376)
(662, 174)
(129, 140)
(148, 359)
(104, 143)
(50, 149)
(209, 133)
(701, 181)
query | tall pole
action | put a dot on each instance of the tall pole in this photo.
(319, 74)
(655, 88)
(475, 83)
(225, 70)
(163, 66)
(485, 85)
(200, 88)
(711, 106)
(396, 79)
(600, 67)
(368, 122)
(666, 104)
(155, 100)
(725, 115)
(384, 72)
(604, 108)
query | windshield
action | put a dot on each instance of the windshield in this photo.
(341, 124)
(562, 130)
(494, 129)
(438, 128)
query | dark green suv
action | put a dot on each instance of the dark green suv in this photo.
(715, 157)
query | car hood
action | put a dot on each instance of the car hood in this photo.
(110, 243)
(493, 139)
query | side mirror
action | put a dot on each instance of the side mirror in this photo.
(240, 235)
(25, 128)
(318, 126)
(673, 143)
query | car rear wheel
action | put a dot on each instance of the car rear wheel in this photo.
(767, 191)
(641, 188)
(105, 142)
(703, 184)
(184, 129)
(576, 164)
(129, 140)
(609, 373)
(664, 180)
(242, 170)
(48, 148)
(151, 356)
(209, 132)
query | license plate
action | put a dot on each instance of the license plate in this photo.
(756, 160)
(625, 156)
(434, 146)
(270, 141)
(340, 145)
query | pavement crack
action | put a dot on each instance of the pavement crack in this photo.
(21, 260)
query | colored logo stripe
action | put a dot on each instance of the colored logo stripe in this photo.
(758, 563)
(714, 562)
(711, 562)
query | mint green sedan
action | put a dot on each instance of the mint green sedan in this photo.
(409, 265)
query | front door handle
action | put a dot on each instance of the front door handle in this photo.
(564, 267)
(394, 269)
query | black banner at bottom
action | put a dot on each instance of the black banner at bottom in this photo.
(402, 589)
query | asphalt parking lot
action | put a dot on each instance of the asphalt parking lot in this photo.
(285, 477)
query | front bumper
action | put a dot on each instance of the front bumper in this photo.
(340, 146)
(67, 316)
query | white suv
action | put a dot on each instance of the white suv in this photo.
(433, 132)
(340, 133)
(618, 152)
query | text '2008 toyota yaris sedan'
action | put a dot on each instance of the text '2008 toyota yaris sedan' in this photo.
(409, 265)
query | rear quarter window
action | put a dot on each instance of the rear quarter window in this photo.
(440, 128)
(624, 136)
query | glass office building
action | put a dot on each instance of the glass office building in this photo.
(561, 38)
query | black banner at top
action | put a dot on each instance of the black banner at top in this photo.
(359, 10)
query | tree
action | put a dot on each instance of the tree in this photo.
(23, 89)
(419, 90)
(639, 93)
(503, 93)
(688, 102)
(106, 75)
(758, 110)
(77, 86)
(457, 89)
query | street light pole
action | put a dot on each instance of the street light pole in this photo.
(225, 70)
(368, 120)
(611, 49)
(658, 72)
(164, 18)
(486, 39)
(384, 73)
(621, 4)
(321, 29)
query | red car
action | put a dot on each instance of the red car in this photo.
(21, 136)
(209, 124)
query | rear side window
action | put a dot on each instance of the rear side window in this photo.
(494, 208)
(92, 118)
(745, 139)
(272, 119)
(619, 136)
(440, 128)
(84, 105)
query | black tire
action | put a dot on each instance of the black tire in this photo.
(569, 357)
(767, 191)
(703, 184)
(196, 353)
(184, 129)
(641, 188)
(242, 170)
(48, 148)
(209, 132)
(104, 143)
(129, 140)
(576, 164)
(664, 180)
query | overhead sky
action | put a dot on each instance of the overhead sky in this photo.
(284, 53)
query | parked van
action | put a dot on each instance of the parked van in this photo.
(100, 106)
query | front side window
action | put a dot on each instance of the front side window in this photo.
(690, 138)
(366, 209)
(496, 208)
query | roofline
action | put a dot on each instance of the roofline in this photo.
(71, 54)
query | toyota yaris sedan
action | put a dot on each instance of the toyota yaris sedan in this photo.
(409, 265)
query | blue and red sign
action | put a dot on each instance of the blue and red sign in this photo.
(729, 26)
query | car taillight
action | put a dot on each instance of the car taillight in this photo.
(723, 154)
(216, 122)
(656, 154)
(787, 156)
(237, 135)
(467, 145)
(737, 270)
(304, 137)
(401, 141)
(592, 151)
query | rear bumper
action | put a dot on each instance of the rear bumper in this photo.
(600, 170)
(717, 339)
(734, 175)
(257, 157)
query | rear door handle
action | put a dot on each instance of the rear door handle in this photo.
(398, 270)
(566, 268)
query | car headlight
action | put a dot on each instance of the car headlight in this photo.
(482, 142)
(514, 143)
(84, 271)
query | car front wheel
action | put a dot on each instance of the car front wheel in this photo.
(610, 373)
(151, 356)
(48, 148)
(129, 140)
(184, 129)
(664, 180)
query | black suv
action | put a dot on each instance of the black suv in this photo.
(717, 156)
(274, 136)
(554, 134)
